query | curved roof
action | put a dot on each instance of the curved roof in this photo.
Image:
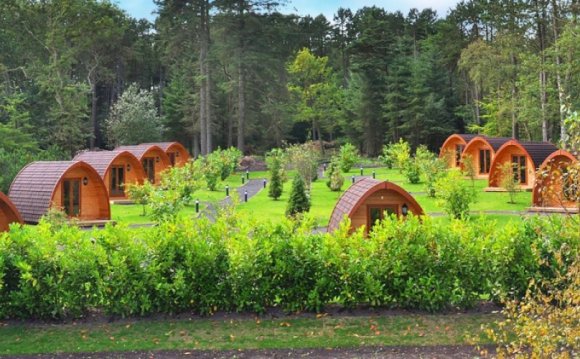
(33, 188)
(356, 194)
(494, 142)
(166, 145)
(536, 151)
(140, 150)
(6, 203)
(465, 138)
(558, 153)
(101, 161)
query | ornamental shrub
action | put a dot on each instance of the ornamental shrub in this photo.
(508, 182)
(432, 170)
(398, 153)
(348, 156)
(298, 201)
(412, 171)
(275, 186)
(454, 195)
(304, 159)
(335, 179)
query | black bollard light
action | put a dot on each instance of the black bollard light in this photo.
(361, 171)
(247, 174)
(374, 175)
(197, 206)
(245, 196)
(227, 190)
(352, 179)
(243, 179)
(264, 183)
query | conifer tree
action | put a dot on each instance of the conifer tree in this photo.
(275, 189)
(299, 201)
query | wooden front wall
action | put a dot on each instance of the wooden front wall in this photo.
(6, 216)
(135, 176)
(473, 151)
(94, 197)
(506, 155)
(160, 165)
(549, 192)
(380, 198)
(183, 155)
(448, 151)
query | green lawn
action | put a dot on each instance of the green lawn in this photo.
(286, 332)
(323, 200)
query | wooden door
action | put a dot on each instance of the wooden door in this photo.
(484, 161)
(458, 152)
(117, 181)
(71, 197)
(149, 166)
(172, 158)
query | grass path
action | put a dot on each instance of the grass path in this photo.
(286, 332)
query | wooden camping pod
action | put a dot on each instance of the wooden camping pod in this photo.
(526, 158)
(116, 168)
(153, 159)
(368, 200)
(453, 148)
(73, 186)
(553, 189)
(482, 150)
(177, 153)
(8, 213)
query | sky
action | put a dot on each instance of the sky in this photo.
(145, 8)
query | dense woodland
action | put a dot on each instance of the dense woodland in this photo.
(239, 73)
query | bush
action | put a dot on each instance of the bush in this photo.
(275, 186)
(412, 171)
(348, 156)
(304, 159)
(468, 167)
(197, 266)
(298, 201)
(508, 182)
(454, 196)
(141, 194)
(335, 179)
(432, 169)
(398, 153)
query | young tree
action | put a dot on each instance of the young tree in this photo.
(454, 195)
(468, 168)
(304, 159)
(299, 201)
(276, 185)
(348, 156)
(508, 182)
(133, 119)
(335, 179)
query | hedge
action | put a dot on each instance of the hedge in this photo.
(236, 264)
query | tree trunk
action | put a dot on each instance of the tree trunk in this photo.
(561, 92)
(94, 123)
(241, 79)
(540, 17)
(207, 77)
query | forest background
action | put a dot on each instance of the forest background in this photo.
(239, 73)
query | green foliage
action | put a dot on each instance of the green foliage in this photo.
(412, 171)
(468, 167)
(335, 179)
(348, 156)
(508, 182)
(133, 118)
(278, 154)
(141, 194)
(399, 154)
(212, 170)
(454, 195)
(275, 186)
(304, 159)
(432, 169)
(235, 264)
(299, 201)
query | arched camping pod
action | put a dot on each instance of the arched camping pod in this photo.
(552, 189)
(482, 151)
(152, 157)
(116, 168)
(525, 158)
(453, 148)
(368, 200)
(177, 153)
(8, 213)
(73, 186)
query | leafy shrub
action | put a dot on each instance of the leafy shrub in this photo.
(275, 186)
(212, 169)
(454, 196)
(508, 182)
(278, 154)
(468, 167)
(432, 170)
(348, 156)
(399, 154)
(304, 159)
(412, 171)
(298, 201)
(141, 194)
(335, 179)
(191, 265)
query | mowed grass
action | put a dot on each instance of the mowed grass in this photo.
(251, 333)
(323, 200)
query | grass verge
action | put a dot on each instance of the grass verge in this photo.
(222, 334)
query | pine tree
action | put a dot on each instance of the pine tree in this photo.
(275, 189)
(299, 201)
